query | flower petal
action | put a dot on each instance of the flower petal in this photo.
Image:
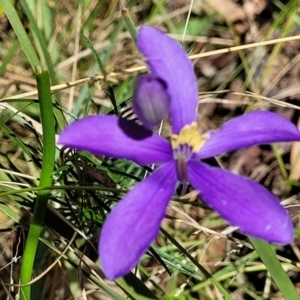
(242, 202)
(254, 128)
(134, 223)
(150, 102)
(116, 137)
(168, 61)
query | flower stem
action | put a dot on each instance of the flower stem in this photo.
(36, 226)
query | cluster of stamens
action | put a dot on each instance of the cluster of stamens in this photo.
(184, 145)
(189, 135)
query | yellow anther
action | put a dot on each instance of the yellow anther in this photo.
(189, 135)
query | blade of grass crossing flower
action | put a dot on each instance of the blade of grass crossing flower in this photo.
(205, 273)
(275, 269)
(47, 120)
(15, 22)
(129, 24)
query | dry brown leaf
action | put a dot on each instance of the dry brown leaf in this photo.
(213, 253)
(254, 7)
(243, 161)
(228, 9)
(235, 86)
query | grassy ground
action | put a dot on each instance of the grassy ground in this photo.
(195, 243)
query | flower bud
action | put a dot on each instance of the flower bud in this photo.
(150, 100)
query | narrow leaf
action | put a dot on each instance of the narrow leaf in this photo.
(275, 269)
(15, 22)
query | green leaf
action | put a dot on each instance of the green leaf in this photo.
(275, 269)
(204, 272)
(39, 39)
(129, 24)
(47, 120)
(17, 25)
(196, 26)
(135, 287)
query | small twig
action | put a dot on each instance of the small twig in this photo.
(48, 269)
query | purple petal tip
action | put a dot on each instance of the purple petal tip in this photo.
(168, 61)
(243, 203)
(134, 222)
(151, 101)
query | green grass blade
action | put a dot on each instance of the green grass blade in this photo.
(129, 24)
(36, 226)
(103, 58)
(95, 54)
(16, 139)
(275, 269)
(205, 273)
(41, 41)
(15, 22)
(9, 56)
(10, 212)
(107, 88)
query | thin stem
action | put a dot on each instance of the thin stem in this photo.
(36, 226)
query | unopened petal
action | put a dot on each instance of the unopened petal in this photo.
(169, 62)
(242, 202)
(134, 223)
(254, 128)
(116, 137)
(151, 102)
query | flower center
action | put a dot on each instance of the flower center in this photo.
(184, 145)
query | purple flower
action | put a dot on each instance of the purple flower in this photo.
(134, 222)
